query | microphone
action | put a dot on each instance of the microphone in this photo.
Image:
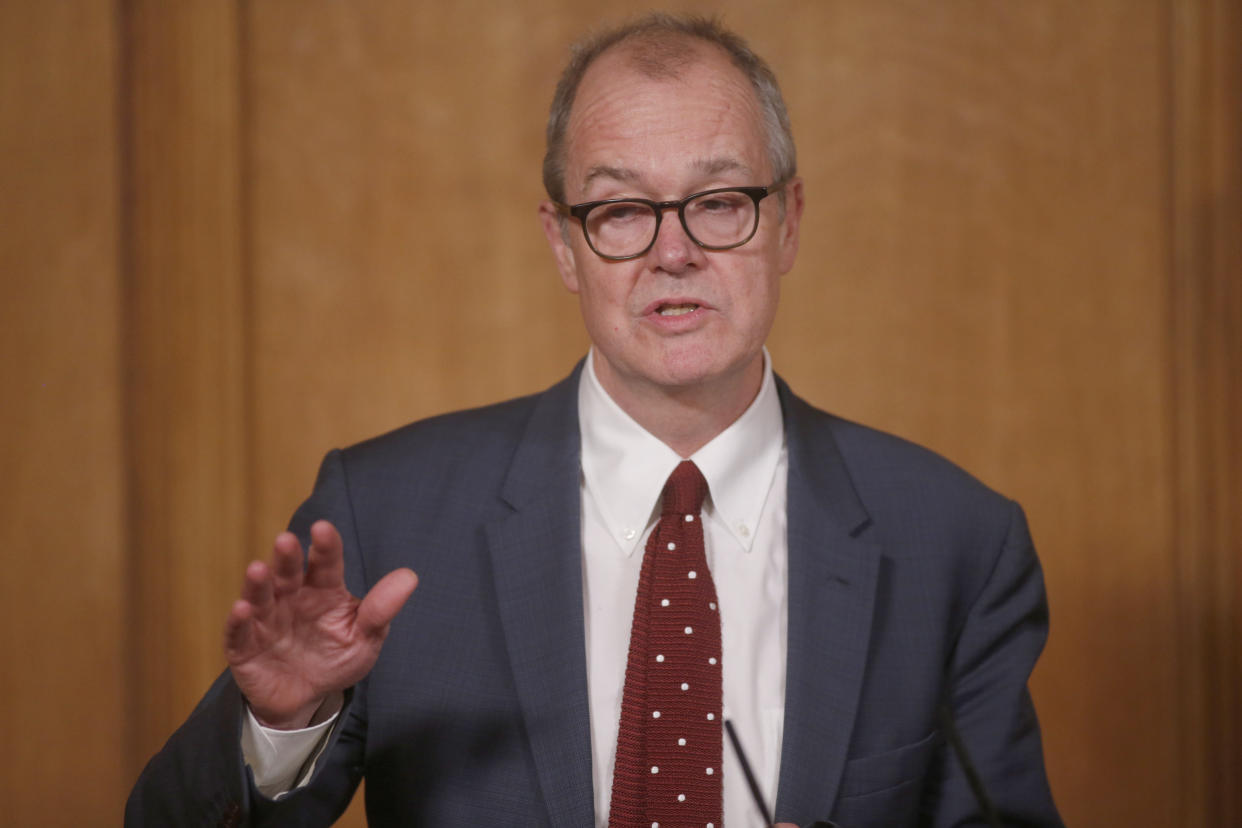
(750, 776)
(764, 811)
(947, 724)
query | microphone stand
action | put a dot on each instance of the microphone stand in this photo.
(949, 727)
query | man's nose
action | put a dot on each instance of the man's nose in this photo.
(674, 250)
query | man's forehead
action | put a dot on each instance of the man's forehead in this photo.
(665, 59)
(706, 116)
(707, 167)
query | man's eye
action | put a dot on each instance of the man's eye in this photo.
(722, 203)
(625, 211)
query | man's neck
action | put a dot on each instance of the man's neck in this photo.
(684, 418)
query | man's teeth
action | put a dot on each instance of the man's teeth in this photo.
(676, 310)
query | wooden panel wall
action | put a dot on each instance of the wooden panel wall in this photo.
(399, 268)
(185, 321)
(994, 284)
(249, 232)
(1206, 328)
(62, 520)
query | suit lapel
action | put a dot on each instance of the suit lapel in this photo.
(832, 583)
(535, 542)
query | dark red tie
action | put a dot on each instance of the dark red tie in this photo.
(669, 745)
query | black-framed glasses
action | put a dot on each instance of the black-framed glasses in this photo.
(625, 228)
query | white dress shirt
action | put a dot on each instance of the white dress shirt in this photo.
(624, 468)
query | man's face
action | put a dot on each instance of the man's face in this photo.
(678, 317)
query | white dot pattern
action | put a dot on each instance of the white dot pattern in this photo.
(676, 600)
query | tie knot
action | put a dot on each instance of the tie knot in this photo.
(685, 490)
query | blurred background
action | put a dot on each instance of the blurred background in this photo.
(236, 234)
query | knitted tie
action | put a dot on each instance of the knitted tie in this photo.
(669, 745)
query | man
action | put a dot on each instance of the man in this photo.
(844, 585)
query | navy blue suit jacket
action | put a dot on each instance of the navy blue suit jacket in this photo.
(910, 584)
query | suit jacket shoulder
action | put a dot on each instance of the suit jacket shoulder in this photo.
(912, 587)
(887, 485)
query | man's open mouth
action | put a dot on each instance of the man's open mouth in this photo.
(676, 310)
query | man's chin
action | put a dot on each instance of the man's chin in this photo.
(679, 377)
(680, 369)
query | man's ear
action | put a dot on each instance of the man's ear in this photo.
(790, 224)
(555, 230)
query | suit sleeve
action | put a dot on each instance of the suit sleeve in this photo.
(1003, 635)
(199, 777)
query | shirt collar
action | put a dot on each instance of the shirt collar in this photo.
(624, 466)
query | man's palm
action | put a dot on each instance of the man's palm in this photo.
(296, 637)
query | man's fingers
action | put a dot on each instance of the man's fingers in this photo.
(237, 627)
(385, 600)
(257, 587)
(286, 563)
(325, 566)
(255, 603)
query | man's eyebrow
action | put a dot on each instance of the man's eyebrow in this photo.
(716, 166)
(622, 174)
(704, 166)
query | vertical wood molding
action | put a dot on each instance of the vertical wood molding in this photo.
(186, 332)
(1206, 301)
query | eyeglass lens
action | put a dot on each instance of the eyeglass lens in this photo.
(626, 228)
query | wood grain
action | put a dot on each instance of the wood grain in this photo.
(1206, 324)
(250, 232)
(185, 317)
(62, 498)
(987, 275)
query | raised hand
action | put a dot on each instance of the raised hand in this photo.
(296, 639)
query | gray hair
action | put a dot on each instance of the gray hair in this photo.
(660, 54)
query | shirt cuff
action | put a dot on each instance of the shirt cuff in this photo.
(281, 760)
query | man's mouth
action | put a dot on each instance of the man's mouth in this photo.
(676, 310)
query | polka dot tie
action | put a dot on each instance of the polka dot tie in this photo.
(670, 743)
